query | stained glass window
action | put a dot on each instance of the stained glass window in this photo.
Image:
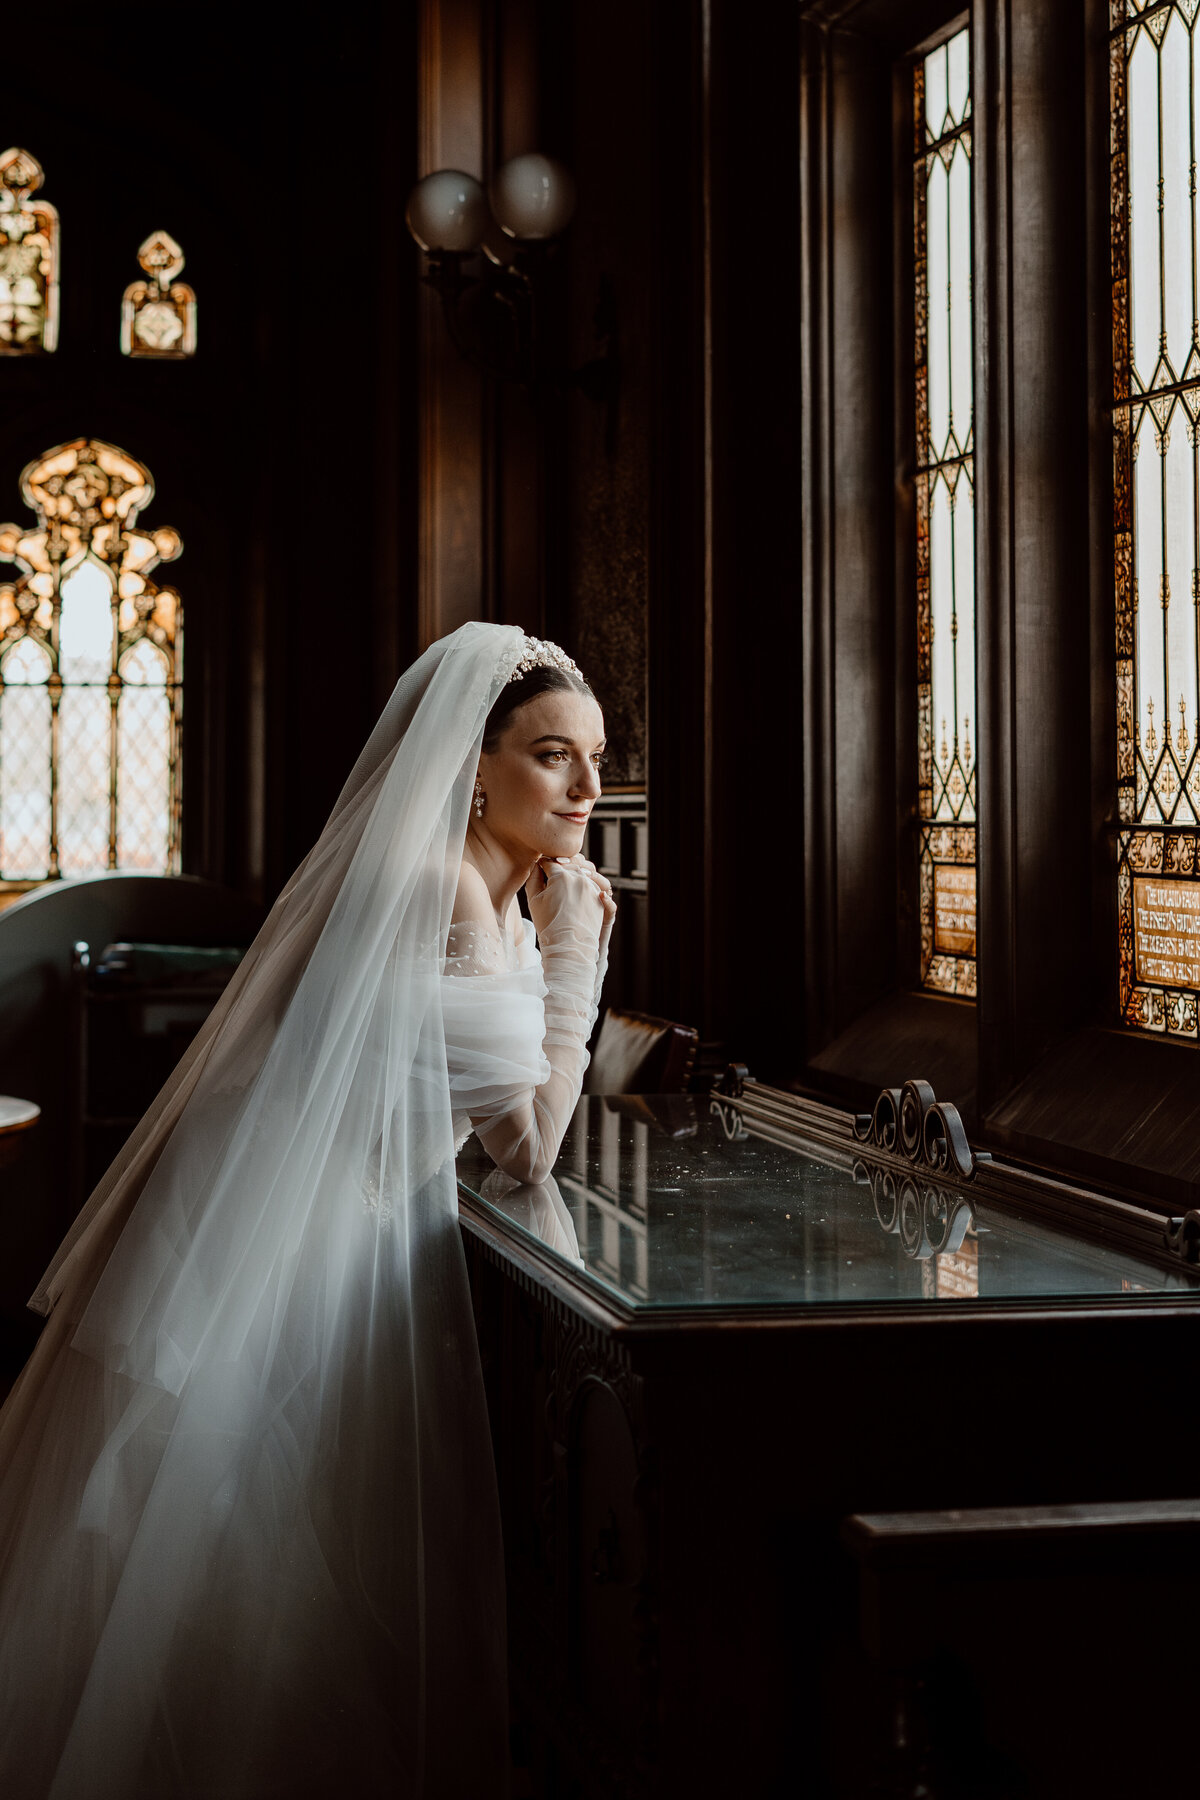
(1155, 88)
(158, 315)
(28, 259)
(945, 507)
(90, 674)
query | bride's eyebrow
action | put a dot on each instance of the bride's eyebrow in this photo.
(555, 737)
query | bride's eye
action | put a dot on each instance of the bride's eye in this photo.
(600, 760)
(552, 756)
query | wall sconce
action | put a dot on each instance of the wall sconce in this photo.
(532, 200)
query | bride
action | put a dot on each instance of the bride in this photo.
(249, 1537)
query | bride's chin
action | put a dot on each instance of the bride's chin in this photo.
(568, 842)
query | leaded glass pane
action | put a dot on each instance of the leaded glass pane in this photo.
(1155, 86)
(945, 515)
(143, 760)
(85, 760)
(90, 694)
(85, 629)
(25, 759)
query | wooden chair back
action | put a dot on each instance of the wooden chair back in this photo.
(638, 1054)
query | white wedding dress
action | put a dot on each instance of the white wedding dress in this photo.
(249, 1534)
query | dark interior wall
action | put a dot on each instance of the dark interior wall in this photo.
(284, 453)
(338, 371)
(604, 496)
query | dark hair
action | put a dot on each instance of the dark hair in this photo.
(515, 694)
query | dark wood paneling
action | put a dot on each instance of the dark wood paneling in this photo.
(602, 489)
(1049, 598)
(756, 872)
(818, 716)
(864, 645)
(994, 487)
(679, 550)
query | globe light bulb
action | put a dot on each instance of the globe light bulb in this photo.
(533, 197)
(447, 211)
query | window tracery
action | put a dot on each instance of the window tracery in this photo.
(90, 674)
(945, 507)
(158, 315)
(28, 259)
(1155, 100)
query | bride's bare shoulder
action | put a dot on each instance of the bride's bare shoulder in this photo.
(471, 897)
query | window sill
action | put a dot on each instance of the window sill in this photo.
(929, 1036)
(1121, 1110)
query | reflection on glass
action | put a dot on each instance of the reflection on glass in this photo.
(1155, 91)
(90, 695)
(945, 497)
(956, 1272)
(538, 1207)
(660, 1220)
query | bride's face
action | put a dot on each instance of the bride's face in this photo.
(543, 778)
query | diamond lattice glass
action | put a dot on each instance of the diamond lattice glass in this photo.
(1155, 92)
(25, 760)
(945, 428)
(90, 693)
(143, 760)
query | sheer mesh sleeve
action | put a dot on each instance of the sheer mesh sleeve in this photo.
(516, 1040)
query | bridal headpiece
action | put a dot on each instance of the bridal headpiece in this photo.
(539, 653)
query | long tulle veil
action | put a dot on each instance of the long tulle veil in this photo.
(249, 1540)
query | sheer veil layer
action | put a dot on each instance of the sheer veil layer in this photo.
(249, 1539)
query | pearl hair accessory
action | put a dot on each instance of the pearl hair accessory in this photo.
(541, 654)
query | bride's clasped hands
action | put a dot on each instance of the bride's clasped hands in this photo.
(567, 888)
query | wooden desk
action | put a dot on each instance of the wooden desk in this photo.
(703, 1351)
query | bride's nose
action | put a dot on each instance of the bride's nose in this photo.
(587, 782)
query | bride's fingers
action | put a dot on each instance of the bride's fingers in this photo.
(559, 866)
(589, 869)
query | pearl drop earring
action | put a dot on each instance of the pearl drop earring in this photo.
(480, 797)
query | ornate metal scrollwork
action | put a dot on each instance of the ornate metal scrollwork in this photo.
(731, 1119)
(1182, 1236)
(910, 1121)
(929, 1220)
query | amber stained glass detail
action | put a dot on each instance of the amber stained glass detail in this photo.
(945, 508)
(91, 674)
(28, 259)
(158, 314)
(1154, 73)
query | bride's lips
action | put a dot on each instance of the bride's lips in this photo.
(575, 818)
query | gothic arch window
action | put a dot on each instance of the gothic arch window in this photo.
(945, 509)
(90, 674)
(28, 259)
(1155, 89)
(158, 315)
